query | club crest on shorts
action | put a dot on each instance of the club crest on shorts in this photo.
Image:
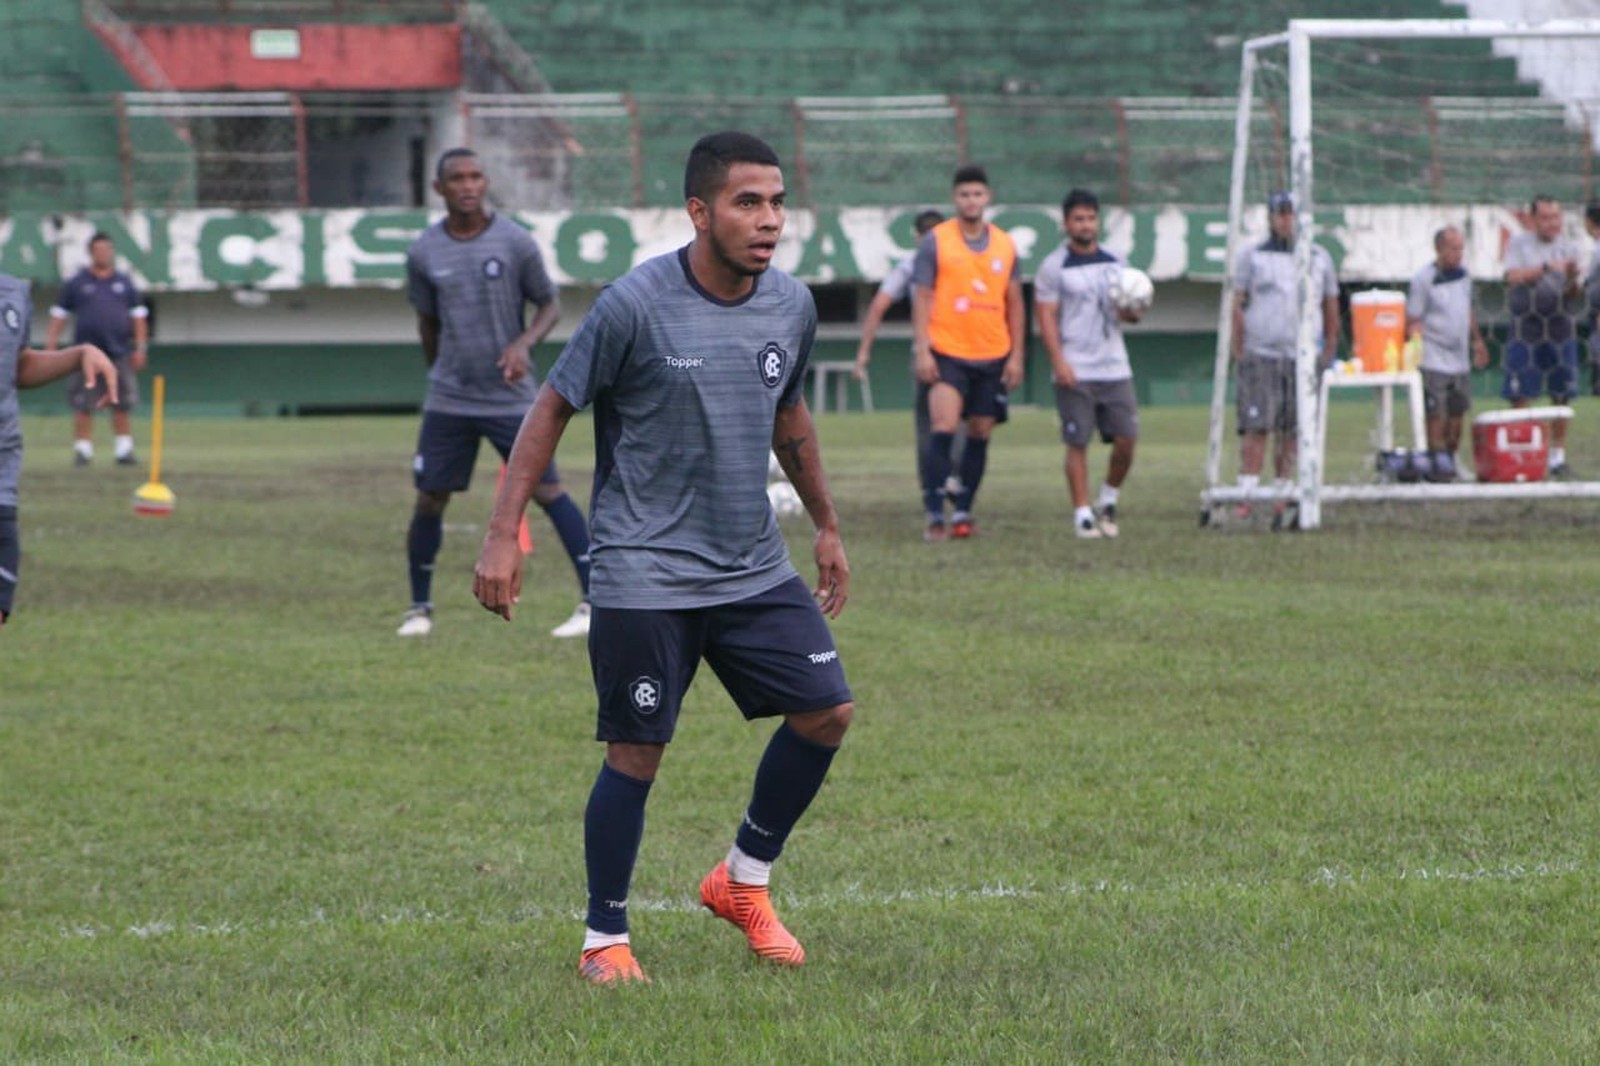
(493, 268)
(13, 318)
(772, 361)
(645, 693)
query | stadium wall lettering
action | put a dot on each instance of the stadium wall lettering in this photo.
(203, 250)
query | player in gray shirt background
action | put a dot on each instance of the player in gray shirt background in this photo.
(1439, 310)
(468, 277)
(24, 367)
(1541, 356)
(694, 364)
(896, 286)
(1082, 331)
(1266, 324)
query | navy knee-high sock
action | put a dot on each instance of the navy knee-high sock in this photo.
(973, 460)
(10, 558)
(422, 548)
(574, 534)
(937, 470)
(788, 779)
(613, 824)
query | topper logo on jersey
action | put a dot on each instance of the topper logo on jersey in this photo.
(772, 360)
(493, 268)
(645, 692)
(13, 318)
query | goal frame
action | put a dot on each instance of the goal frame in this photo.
(1307, 491)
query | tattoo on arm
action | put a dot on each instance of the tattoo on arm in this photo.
(792, 447)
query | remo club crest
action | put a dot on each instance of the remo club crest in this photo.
(12, 318)
(772, 361)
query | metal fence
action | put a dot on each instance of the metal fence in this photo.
(599, 150)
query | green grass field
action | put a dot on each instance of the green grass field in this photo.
(1188, 795)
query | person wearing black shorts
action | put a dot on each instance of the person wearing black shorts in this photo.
(694, 364)
(967, 322)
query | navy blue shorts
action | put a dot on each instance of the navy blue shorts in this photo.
(773, 652)
(1537, 368)
(447, 449)
(983, 393)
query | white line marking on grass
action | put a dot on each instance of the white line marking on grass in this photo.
(1329, 877)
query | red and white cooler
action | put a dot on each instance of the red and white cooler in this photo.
(1514, 445)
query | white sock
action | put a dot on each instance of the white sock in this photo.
(1108, 495)
(1558, 456)
(1282, 484)
(84, 448)
(1248, 482)
(1083, 514)
(592, 939)
(746, 870)
(124, 446)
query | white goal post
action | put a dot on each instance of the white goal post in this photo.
(1259, 134)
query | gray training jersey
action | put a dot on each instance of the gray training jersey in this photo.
(1091, 332)
(1265, 274)
(1442, 299)
(685, 388)
(477, 289)
(897, 283)
(16, 318)
(1540, 311)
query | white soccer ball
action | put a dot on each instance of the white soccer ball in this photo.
(1133, 290)
(784, 499)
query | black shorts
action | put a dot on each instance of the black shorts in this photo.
(447, 449)
(983, 394)
(773, 652)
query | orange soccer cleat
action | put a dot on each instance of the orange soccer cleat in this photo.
(613, 965)
(750, 908)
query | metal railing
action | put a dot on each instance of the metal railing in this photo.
(555, 151)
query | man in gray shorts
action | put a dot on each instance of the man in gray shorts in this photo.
(1266, 322)
(1082, 330)
(1439, 310)
(110, 314)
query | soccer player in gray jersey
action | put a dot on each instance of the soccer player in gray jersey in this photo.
(468, 277)
(896, 286)
(1439, 310)
(1082, 331)
(1266, 323)
(25, 367)
(1542, 352)
(694, 365)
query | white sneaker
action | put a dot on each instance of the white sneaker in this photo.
(1108, 520)
(1087, 530)
(418, 622)
(575, 626)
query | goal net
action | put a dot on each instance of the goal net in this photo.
(1372, 137)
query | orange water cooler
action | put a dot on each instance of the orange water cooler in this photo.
(1378, 328)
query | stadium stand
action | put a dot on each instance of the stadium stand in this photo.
(1048, 103)
(1147, 121)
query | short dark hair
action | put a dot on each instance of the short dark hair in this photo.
(1592, 212)
(714, 154)
(453, 153)
(970, 172)
(1079, 198)
(1542, 198)
(99, 235)
(926, 220)
(1442, 233)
